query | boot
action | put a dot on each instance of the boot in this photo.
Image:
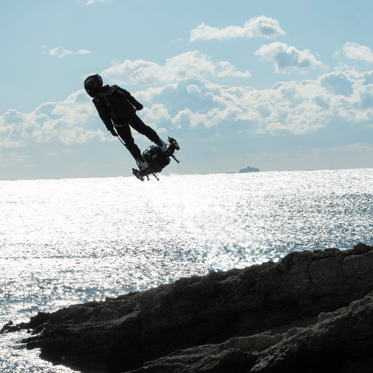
(142, 165)
(164, 146)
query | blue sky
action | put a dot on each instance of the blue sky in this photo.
(275, 85)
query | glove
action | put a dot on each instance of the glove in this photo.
(139, 107)
(113, 133)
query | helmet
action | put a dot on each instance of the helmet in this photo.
(93, 84)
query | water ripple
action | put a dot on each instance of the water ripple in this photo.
(74, 240)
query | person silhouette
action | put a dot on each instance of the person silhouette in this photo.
(117, 109)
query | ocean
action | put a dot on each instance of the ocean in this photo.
(69, 241)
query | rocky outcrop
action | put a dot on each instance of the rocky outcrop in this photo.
(310, 312)
(339, 341)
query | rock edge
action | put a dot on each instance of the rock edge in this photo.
(310, 312)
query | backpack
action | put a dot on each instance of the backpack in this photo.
(121, 108)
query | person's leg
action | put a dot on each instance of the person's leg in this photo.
(126, 135)
(145, 130)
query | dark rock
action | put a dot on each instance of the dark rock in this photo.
(39, 319)
(9, 327)
(310, 312)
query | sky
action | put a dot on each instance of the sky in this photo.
(276, 85)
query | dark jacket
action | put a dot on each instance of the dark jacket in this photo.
(106, 113)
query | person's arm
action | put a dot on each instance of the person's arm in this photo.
(104, 114)
(131, 99)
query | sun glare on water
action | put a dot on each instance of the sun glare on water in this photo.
(75, 240)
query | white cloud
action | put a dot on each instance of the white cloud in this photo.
(193, 118)
(11, 159)
(288, 107)
(154, 115)
(15, 128)
(262, 26)
(285, 57)
(193, 88)
(186, 65)
(292, 107)
(337, 83)
(96, 1)
(71, 121)
(61, 52)
(356, 51)
(90, 2)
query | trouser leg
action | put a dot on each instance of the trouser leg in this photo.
(126, 136)
(145, 130)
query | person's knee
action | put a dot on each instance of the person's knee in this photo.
(129, 142)
(131, 146)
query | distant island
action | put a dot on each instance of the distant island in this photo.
(249, 169)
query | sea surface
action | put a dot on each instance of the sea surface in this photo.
(70, 241)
